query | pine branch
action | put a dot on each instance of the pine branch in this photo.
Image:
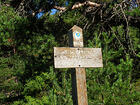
(78, 5)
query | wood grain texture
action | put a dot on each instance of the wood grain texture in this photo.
(73, 40)
(79, 89)
(77, 57)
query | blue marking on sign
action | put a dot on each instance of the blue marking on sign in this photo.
(77, 34)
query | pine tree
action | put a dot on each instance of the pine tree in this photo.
(27, 73)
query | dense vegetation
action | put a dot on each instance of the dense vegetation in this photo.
(27, 73)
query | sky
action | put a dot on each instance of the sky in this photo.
(39, 15)
(53, 11)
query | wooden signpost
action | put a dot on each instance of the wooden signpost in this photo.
(79, 58)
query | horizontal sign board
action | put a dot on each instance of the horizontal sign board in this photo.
(70, 57)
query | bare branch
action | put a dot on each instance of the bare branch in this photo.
(89, 3)
(78, 5)
(60, 8)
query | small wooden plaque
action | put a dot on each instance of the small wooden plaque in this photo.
(68, 57)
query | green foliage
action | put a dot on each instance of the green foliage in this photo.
(10, 71)
(135, 12)
(7, 22)
(111, 85)
(27, 73)
(71, 17)
(47, 89)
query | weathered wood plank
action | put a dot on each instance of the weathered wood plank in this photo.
(79, 88)
(77, 57)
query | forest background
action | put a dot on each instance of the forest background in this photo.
(29, 31)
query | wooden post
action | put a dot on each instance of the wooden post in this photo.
(79, 90)
(79, 58)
